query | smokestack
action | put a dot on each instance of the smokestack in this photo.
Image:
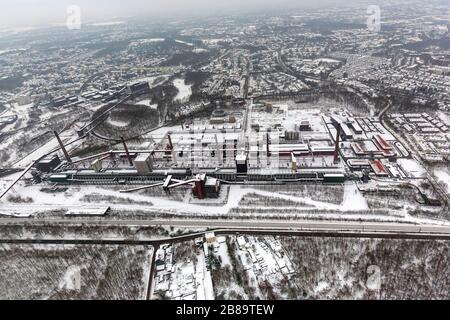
(170, 141)
(63, 148)
(336, 151)
(126, 151)
(219, 151)
(268, 146)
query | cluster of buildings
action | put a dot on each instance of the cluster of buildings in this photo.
(428, 134)
(274, 83)
(181, 280)
(307, 62)
(229, 74)
(263, 257)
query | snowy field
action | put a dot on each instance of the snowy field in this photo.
(148, 103)
(412, 168)
(66, 136)
(238, 201)
(118, 123)
(444, 177)
(184, 42)
(353, 200)
(184, 90)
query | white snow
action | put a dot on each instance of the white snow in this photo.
(118, 123)
(445, 117)
(148, 103)
(353, 199)
(154, 40)
(107, 23)
(184, 90)
(45, 201)
(205, 289)
(184, 42)
(223, 253)
(150, 80)
(412, 168)
(143, 41)
(46, 148)
(72, 279)
(328, 60)
(321, 286)
(214, 41)
(444, 177)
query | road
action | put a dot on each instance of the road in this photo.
(380, 229)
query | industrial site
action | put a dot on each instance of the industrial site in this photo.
(281, 156)
(272, 144)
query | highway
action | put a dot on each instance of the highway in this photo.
(335, 228)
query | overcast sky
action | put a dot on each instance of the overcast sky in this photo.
(25, 13)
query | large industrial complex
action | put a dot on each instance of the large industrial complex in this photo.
(288, 153)
(259, 142)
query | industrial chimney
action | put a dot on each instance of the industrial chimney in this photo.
(126, 151)
(63, 148)
(338, 136)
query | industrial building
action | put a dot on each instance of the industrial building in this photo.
(271, 148)
(48, 164)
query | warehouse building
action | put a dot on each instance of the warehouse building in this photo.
(48, 164)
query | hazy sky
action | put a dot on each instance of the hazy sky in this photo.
(24, 13)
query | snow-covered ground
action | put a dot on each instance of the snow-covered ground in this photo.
(205, 290)
(148, 103)
(107, 23)
(353, 199)
(412, 168)
(21, 111)
(184, 90)
(157, 134)
(222, 251)
(150, 40)
(328, 60)
(46, 148)
(150, 80)
(184, 42)
(43, 201)
(72, 279)
(444, 177)
(118, 123)
(445, 117)
(214, 42)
